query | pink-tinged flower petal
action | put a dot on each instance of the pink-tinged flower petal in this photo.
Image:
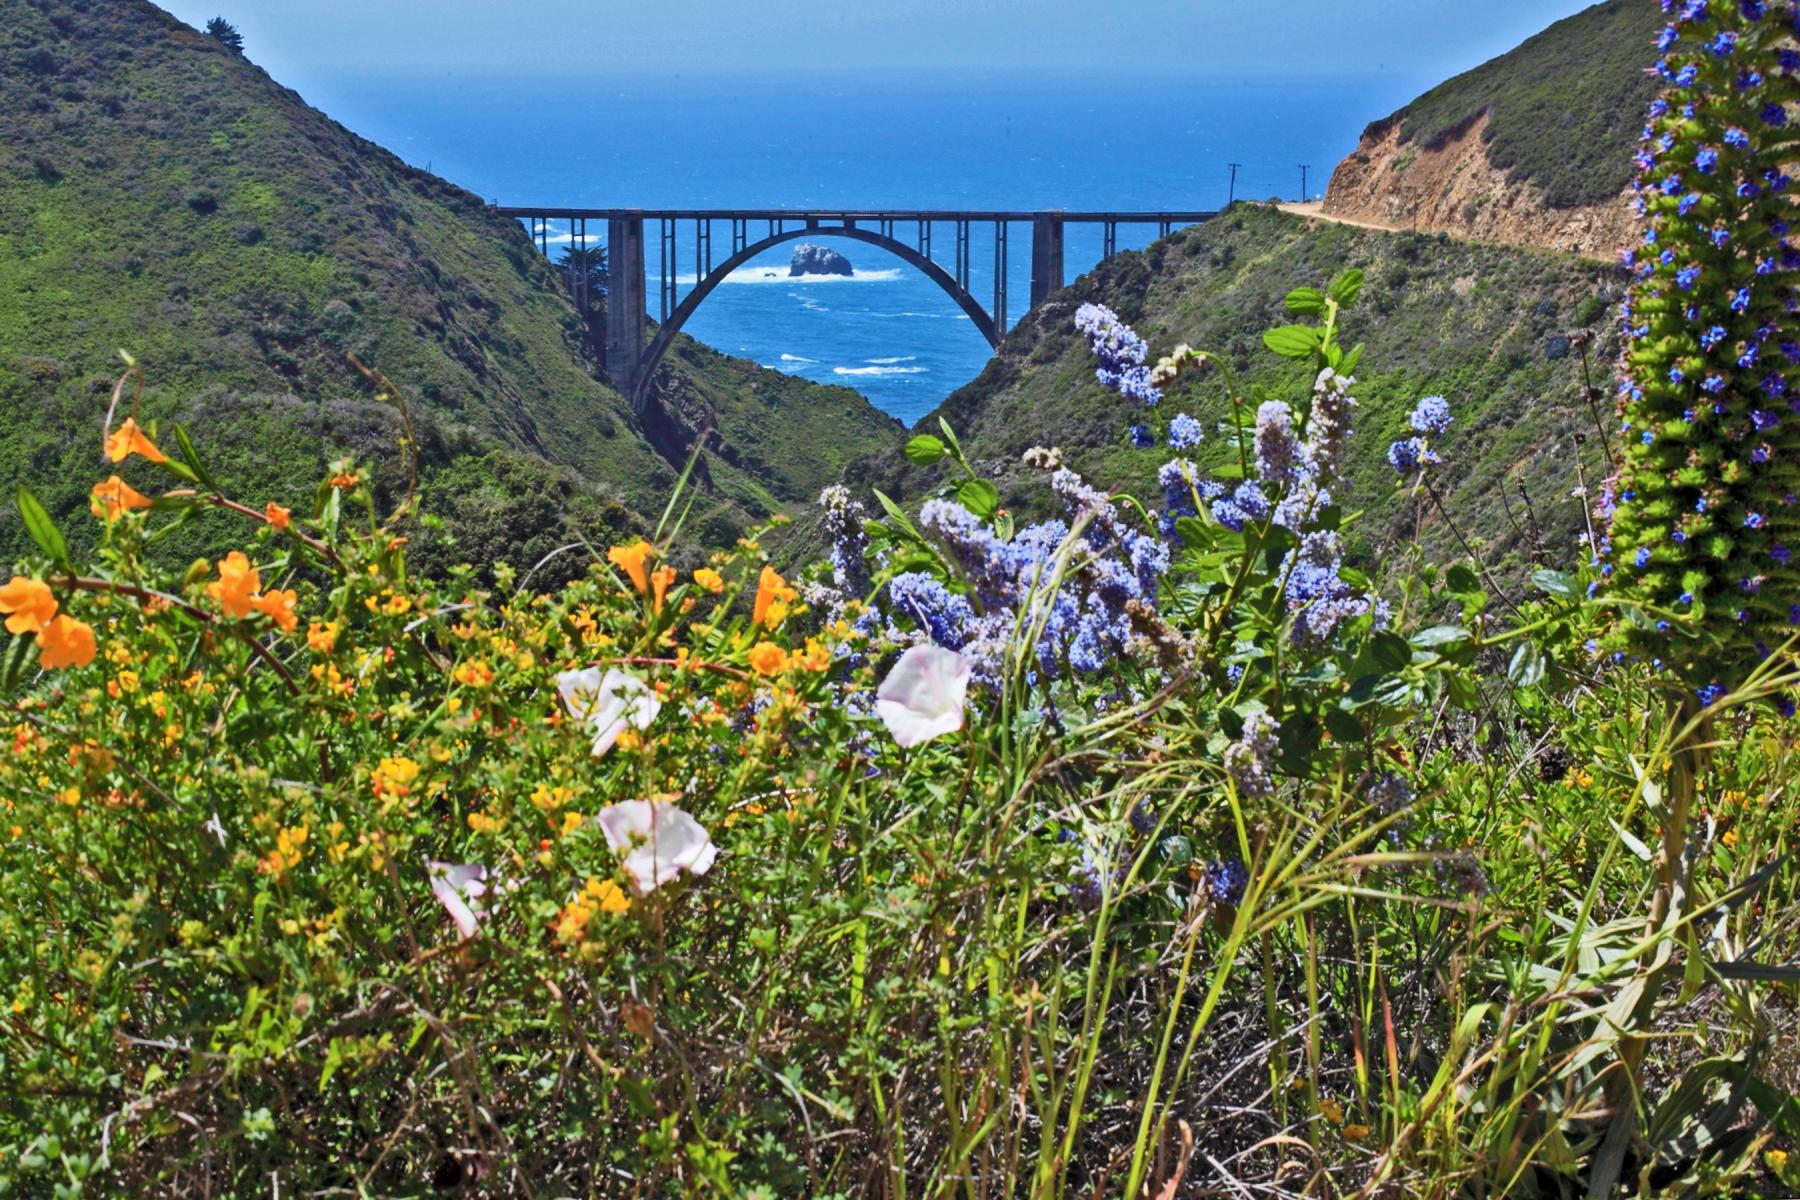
(923, 696)
(459, 887)
(658, 841)
(608, 703)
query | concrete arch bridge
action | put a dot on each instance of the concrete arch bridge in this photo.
(908, 234)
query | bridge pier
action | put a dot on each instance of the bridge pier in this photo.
(626, 303)
(1046, 256)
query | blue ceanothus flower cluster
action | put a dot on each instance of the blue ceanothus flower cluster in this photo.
(1085, 585)
(1295, 461)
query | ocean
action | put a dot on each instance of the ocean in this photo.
(783, 140)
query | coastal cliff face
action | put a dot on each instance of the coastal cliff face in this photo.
(1454, 187)
(1533, 148)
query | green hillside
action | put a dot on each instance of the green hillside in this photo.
(161, 194)
(1564, 108)
(1484, 325)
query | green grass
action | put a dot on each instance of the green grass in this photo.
(1564, 108)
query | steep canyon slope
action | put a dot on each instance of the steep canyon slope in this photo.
(161, 194)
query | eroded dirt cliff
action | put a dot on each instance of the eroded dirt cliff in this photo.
(1453, 188)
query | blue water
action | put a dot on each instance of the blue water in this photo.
(913, 142)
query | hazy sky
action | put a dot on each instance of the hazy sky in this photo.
(303, 40)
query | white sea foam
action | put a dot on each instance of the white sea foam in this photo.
(888, 362)
(798, 358)
(778, 274)
(878, 370)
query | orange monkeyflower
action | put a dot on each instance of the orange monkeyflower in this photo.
(660, 579)
(65, 642)
(278, 606)
(766, 658)
(128, 440)
(322, 637)
(345, 480)
(278, 516)
(110, 499)
(235, 589)
(710, 579)
(30, 603)
(631, 560)
(773, 595)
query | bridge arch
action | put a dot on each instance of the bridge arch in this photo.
(665, 334)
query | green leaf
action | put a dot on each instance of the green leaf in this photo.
(12, 665)
(1462, 579)
(1556, 583)
(1344, 727)
(925, 450)
(188, 453)
(42, 529)
(899, 516)
(1527, 666)
(1387, 651)
(979, 497)
(950, 436)
(1306, 301)
(1440, 635)
(1193, 532)
(1462, 690)
(1347, 287)
(1348, 366)
(1292, 341)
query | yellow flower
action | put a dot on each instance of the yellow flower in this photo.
(1777, 1160)
(1580, 777)
(114, 497)
(235, 589)
(473, 673)
(710, 579)
(766, 658)
(322, 637)
(278, 516)
(608, 896)
(65, 642)
(631, 560)
(773, 595)
(30, 602)
(571, 822)
(395, 775)
(128, 439)
(1355, 1133)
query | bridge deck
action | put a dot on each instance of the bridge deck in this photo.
(852, 214)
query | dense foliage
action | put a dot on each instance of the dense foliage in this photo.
(983, 859)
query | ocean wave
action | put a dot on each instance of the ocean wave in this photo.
(778, 274)
(888, 362)
(878, 370)
(799, 359)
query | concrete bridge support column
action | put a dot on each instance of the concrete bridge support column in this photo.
(625, 303)
(1046, 256)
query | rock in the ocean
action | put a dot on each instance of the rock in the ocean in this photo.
(818, 260)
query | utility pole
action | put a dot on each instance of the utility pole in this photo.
(1231, 196)
(1304, 197)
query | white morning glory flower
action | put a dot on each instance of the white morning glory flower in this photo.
(922, 697)
(608, 702)
(459, 888)
(659, 842)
